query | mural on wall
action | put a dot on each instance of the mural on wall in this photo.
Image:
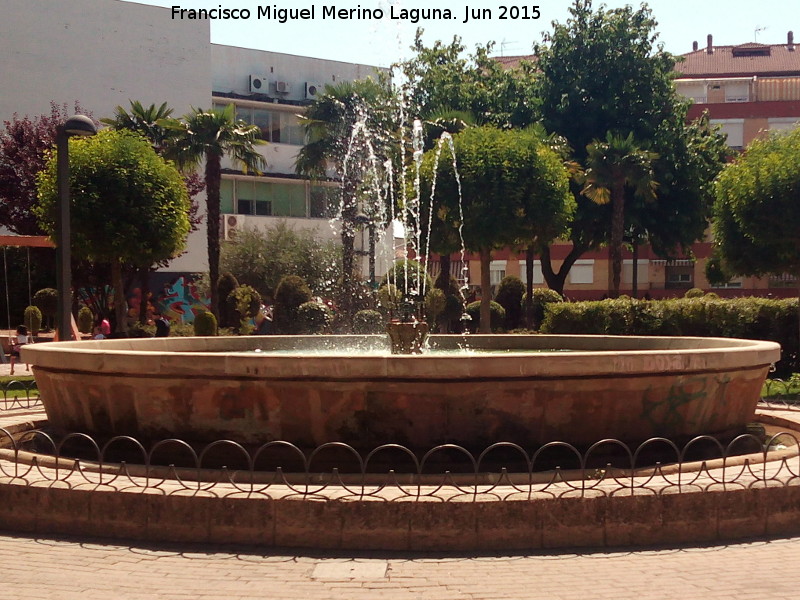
(180, 301)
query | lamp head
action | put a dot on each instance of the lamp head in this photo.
(79, 125)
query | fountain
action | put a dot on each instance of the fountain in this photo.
(526, 389)
(366, 390)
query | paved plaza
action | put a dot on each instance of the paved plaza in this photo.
(71, 568)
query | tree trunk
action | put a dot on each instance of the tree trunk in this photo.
(120, 305)
(617, 233)
(555, 281)
(529, 257)
(635, 274)
(486, 292)
(213, 178)
(348, 235)
(144, 292)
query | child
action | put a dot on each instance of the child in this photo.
(16, 343)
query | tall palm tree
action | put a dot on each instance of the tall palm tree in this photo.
(210, 135)
(336, 143)
(612, 167)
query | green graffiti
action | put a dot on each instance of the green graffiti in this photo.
(664, 414)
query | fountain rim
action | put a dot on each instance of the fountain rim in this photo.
(232, 356)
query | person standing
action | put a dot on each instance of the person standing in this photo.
(17, 342)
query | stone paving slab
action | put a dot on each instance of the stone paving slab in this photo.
(65, 568)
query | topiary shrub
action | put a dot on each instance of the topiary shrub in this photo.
(313, 317)
(46, 300)
(205, 323)
(228, 317)
(496, 320)
(389, 298)
(410, 278)
(435, 303)
(243, 303)
(291, 292)
(694, 293)
(85, 319)
(542, 297)
(33, 320)
(368, 322)
(509, 296)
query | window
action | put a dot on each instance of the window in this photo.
(729, 285)
(733, 129)
(582, 272)
(642, 267)
(276, 126)
(538, 277)
(678, 276)
(264, 198)
(738, 91)
(497, 270)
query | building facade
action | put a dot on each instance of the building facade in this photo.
(105, 53)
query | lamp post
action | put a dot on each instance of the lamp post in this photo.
(77, 125)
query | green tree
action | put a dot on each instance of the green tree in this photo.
(261, 258)
(604, 71)
(757, 210)
(443, 83)
(511, 188)
(209, 135)
(128, 205)
(612, 167)
(148, 122)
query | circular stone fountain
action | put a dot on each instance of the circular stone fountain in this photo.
(309, 390)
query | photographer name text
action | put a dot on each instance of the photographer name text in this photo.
(332, 12)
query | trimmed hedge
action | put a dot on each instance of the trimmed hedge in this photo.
(497, 316)
(749, 318)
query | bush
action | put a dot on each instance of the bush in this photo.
(227, 312)
(243, 304)
(313, 317)
(368, 321)
(205, 323)
(389, 298)
(85, 320)
(694, 293)
(291, 292)
(33, 319)
(46, 300)
(541, 298)
(435, 303)
(509, 296)
(496, 320)
(409, 276)
(748, 318)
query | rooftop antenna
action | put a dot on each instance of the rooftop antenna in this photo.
(503, 45)
(758, 30)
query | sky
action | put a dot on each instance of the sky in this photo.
(380, 42)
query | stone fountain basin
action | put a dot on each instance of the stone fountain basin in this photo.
(310, 390)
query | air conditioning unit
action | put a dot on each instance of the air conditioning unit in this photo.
(231, 225)
(283, 87)
(314, 89)
(259, 84)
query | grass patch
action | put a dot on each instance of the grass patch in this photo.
(782, 389)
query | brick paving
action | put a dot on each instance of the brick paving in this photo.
(67, 568)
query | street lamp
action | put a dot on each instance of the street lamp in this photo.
(77, 125)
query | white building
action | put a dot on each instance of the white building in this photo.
(104, 53)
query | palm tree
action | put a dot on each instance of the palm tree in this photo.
(612, 167)
(144, 121)
(344, 127)
(210, 135)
